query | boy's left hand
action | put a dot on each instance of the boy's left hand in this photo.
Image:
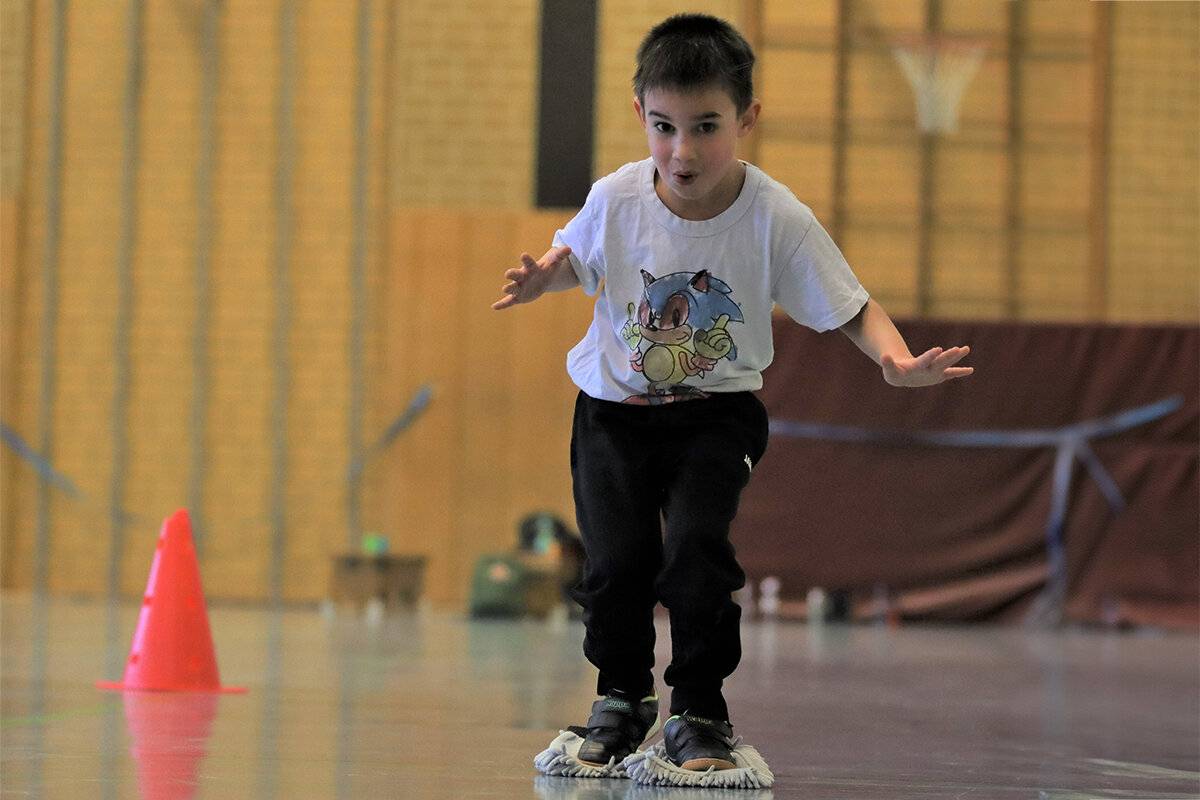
(931, 367)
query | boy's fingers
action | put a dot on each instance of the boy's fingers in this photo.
(503, 303)
(561, 252)
(958, 372)
(925, 360)
(528, 261)
(952, 356)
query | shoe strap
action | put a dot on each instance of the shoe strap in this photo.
(703, 726)
(619, 713)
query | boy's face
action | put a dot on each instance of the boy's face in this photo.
(693, 139)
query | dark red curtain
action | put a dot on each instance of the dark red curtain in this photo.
(958, 534)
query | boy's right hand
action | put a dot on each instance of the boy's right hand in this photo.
(531, 280)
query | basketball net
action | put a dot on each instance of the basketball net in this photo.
(939, 69)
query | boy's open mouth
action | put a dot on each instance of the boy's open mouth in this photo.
(685, 177)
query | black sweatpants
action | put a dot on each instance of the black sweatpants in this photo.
(656, 488)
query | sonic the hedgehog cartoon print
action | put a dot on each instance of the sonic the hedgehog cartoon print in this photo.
(680, 333)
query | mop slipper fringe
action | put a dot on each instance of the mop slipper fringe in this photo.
(562, 758)
(652, 767)
(616, 728)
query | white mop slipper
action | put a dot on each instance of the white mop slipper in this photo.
(651, 767)
(562, 758)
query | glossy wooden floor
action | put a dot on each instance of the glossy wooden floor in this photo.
(434, 706)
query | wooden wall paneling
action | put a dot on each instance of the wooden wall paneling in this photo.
(969, 265)
(434, 288)
(12, 290)
(574, 317)
(796, 90)
(164, 308)
(881, 184)
(967, 17)
(879, 94)
(15, 206)
(970, 186)
(485, 361)
(805, 167)
(237, 539)
(1057, 94)
(875, 17)
(983, 111)
(543, 400)
(796, 21)
(885, 260)
(321, 299)
(1054, 277)
(1061, 22)
(91, 218)
(392, 501)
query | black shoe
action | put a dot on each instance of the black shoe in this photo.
(699, 743)
(616, 728)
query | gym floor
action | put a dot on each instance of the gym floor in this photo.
(432, 705)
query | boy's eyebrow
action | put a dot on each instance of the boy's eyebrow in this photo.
(705, 115)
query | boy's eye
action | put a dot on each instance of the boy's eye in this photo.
(707, 127)
(663, 127)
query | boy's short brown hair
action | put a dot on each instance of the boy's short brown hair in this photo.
(690, 51)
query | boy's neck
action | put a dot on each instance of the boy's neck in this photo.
(721, 198)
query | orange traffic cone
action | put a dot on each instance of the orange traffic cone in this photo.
(172, 647)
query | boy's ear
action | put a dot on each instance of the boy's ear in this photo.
(749, 118)
(637, 109)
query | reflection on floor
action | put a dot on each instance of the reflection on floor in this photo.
(435, 706)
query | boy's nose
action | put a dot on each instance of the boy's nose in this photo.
(683, 150)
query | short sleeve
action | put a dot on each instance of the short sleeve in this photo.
(584, 234)
(816, 287)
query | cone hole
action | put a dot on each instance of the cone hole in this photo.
(133, 658)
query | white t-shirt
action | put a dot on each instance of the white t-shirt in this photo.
(686, 305)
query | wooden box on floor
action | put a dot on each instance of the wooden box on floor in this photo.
(395, 580)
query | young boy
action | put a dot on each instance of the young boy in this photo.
(693, 248)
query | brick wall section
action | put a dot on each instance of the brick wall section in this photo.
(465, 89)
(1154, 224)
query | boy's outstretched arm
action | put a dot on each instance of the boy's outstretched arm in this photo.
(550, 273)
(876, 335)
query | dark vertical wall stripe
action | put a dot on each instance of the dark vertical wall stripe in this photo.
(358, 262)
(841, 117)
(928, 178)
(49, 330)
(1016, 150)
(131, 160)
(565, 102)
(281, 334)
(210, 61)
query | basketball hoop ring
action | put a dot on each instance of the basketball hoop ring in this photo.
(938, 67)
